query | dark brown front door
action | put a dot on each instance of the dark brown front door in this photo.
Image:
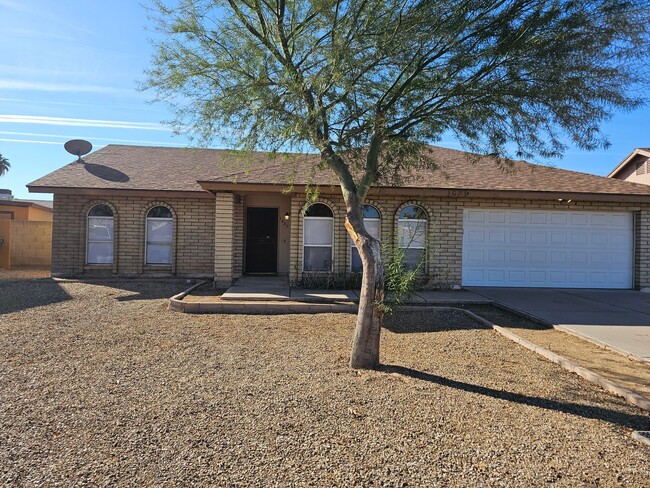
(261, 240)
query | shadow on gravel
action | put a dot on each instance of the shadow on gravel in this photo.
(635, 422)
(17, 295)
(505, 318)
(142, 289)
(442, 321)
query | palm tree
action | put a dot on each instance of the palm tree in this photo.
(4, 165)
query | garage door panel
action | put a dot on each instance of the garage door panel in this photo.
(538, 217)
(516, 237)
(598, 257)
(579, 238)
(518, 277)
(517, 256)
(598, 219)
(537, 237)
(475, 216)
(547, 248)
(496, 216)
(475, 236)
(618, 239)
(496, 257)
(619, 220)
(558, 219)
(496, 236)
(578, 258)
(579, 219)
(516, 217)
(559, 237)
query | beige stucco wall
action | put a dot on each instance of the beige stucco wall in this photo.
(20, 212)
(40, 214)
(194, 235)
(31, 243)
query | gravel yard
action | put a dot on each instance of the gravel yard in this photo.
(100, 384)
(628, 373)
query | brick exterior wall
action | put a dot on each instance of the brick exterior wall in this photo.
(445, 230)
(193, 245)
(224, 238)
(209, 234)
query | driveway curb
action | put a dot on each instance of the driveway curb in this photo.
(605, 384)
(566, 330)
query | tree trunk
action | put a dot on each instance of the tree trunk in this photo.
(370, 318)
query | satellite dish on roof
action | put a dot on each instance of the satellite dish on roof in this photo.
(78, 147)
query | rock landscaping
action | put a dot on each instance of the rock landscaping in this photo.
(100, 384)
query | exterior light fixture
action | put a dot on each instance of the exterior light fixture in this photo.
(287, 216)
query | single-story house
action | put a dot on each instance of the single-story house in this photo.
(25, 231)
(130, 210)
(634, 168)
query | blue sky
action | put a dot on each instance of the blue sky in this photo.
(69, 69)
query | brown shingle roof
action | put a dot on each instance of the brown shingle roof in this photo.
(176, 169)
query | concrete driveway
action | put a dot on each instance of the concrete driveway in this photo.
(618, 319)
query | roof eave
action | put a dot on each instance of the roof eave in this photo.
(68, 190)
(457, 193)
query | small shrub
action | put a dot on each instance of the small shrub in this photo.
(401, 281)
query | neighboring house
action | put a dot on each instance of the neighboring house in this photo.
(25, 231)
(634, 168)
(150, 211)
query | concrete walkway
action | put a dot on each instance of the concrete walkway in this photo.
(617, 319)
(276, 289)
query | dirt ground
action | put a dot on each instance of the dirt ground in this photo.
(100, 384)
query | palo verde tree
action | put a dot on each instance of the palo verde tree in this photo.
(367, 83)
(4, 165)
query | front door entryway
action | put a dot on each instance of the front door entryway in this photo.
(261, 240)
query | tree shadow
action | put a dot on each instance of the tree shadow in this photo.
(141, 288)
(17, 295)
(635, 422)
(505, 318)
(438, 321)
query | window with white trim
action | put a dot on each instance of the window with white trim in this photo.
(99, 235)
(372, 222)
(160, 234)
(412, 235)
(317, 238)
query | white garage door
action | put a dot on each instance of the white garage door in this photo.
(553, 249)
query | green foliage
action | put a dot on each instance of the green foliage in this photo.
(4, 165)
(331, 75)
(401, 281)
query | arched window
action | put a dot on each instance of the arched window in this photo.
(99, 235)
(412, 235)
(372, 221)
(159, 236)
(317, 238)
